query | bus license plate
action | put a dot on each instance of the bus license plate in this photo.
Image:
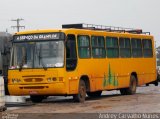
(33, 92)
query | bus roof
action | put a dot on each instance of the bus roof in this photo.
(81, 31)
(91, 29)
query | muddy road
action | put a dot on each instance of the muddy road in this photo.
(146, 100)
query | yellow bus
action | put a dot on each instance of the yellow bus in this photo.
(80, 60)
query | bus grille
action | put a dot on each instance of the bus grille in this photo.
(34, 87)
(33, 80)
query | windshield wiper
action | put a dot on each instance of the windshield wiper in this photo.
(43, 65)
(20, 67)
(40, 59)
(22, 63)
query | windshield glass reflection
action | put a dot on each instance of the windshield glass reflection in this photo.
(38, 54)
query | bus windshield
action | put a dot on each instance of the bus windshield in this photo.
(42, 54)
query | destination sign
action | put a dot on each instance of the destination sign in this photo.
(35, 37)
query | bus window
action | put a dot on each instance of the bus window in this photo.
(71, 55)
(147, 48)
(125, 47)
(84, 46)
(112, 47)
(136, 47)
(98, 47)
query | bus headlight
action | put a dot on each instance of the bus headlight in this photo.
(52, 79)
(49, 79)
(16, 80)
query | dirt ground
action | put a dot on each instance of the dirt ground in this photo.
(146, 100)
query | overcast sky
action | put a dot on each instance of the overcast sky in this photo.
(43, 14)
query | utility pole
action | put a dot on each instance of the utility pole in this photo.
(18, 26)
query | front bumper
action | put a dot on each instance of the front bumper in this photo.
(37, 89)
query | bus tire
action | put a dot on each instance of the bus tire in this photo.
(81, 96)
(156, 83)
(94, 94)
(36, 98)
(132, 87)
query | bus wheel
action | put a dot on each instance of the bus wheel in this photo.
(81, 96)
(36, 98)
(156, 83)
(94, 94)
(132, 87)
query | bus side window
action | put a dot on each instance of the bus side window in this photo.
(98, 47)
(71, 54)
(84, 50)
(147, 48)
(136, 47)
(112, 47)
(125, 47)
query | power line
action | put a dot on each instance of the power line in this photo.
(18, 26)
